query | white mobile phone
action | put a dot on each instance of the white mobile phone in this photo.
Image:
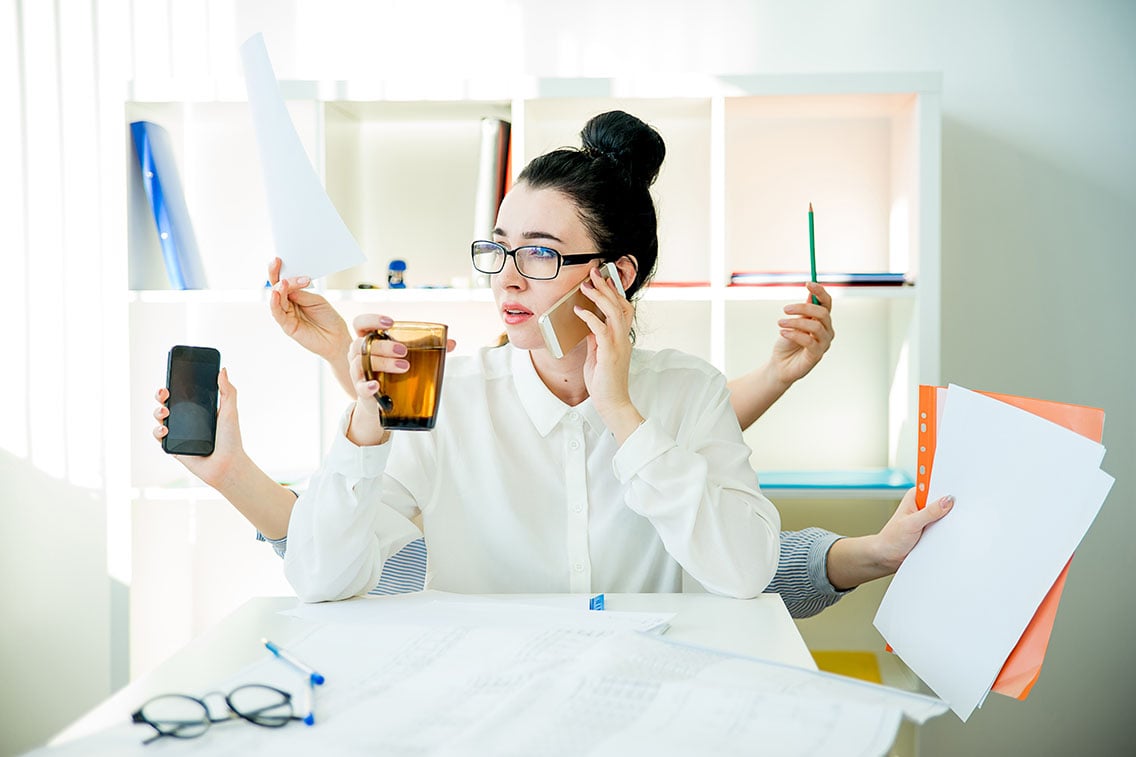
(561, 328)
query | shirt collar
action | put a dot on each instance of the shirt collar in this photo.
(545, 409)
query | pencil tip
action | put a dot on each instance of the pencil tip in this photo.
(810, 207)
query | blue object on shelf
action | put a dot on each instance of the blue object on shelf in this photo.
(881, 478)
(395, 274)
(163, 188)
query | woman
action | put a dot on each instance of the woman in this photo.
(611, 469)
(629, 531)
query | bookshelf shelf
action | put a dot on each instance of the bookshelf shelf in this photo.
(745, 157)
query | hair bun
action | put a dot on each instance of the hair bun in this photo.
(633, 146)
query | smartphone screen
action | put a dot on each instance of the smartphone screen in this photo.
(191, 377)
(561, 328)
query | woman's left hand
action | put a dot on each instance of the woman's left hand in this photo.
(608, 363)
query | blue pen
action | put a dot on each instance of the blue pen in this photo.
(314, 678)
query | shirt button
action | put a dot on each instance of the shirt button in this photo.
(574, 444)
(574, 416)
(578, 567)
(578, 509)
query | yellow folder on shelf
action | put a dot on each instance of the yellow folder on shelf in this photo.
(1022, 667)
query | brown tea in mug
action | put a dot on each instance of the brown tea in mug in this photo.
(410, 400)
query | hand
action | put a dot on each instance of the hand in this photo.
(805, 337)
(856, 560)
(307, 317)
(228, 450)
(901, 533)
(387, 356)
(608, 363)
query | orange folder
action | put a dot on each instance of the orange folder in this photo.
(1022, 667)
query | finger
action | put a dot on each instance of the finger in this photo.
(366, 389)
(279, 303)
(299, 282)
(796, 337)
(228, 392)
(162, 394)
(808, 310)
(607, 298)
(451, 345)
(817, 290)
(161, 412)
(274, 266)
(303, 298)
(369, 322)
(936, 510)
(386, 357)
(593, 321)
(807, 325)
(160, 432)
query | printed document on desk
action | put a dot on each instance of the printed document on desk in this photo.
(1026, 492)
(401, 689)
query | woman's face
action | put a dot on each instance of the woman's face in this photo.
(546, 218)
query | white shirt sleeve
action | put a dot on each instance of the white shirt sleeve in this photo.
(342, 528)
(700, 493)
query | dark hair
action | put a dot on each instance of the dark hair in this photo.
(609, 180)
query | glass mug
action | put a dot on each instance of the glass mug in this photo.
(410, 400)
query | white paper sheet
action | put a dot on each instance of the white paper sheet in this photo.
(311, 237)
(1026, 492)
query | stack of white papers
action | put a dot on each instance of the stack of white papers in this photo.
(1026, 491)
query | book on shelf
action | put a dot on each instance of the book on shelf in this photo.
(493, 171)
(166, 198)
(666, 284)
(798, 278)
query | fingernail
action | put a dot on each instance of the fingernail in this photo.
(947, 502)
(402, 364)
(303, 280)
(372, 386)
(386, 321)
(399, 349)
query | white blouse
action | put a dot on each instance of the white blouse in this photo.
(519, 492)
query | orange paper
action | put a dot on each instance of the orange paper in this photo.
(1022, 667)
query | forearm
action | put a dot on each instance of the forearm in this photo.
(754, 393)
(265, 503)
(856, 560)
(709, 516)
(341, 370)
(342, 531)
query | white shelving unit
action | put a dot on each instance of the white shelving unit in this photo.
(745, 157)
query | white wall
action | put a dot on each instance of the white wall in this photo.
(1039, 157)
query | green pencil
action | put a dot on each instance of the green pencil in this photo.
(812, 252)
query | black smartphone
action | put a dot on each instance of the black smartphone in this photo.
(191, 378)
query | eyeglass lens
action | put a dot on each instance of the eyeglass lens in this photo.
(532, 262)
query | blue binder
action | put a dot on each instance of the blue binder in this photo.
(167, 201)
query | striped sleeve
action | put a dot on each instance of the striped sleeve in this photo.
(802, 572)
(403, 573)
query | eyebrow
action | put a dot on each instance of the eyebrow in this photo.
(528, 235)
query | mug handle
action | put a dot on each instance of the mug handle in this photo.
(386, 404)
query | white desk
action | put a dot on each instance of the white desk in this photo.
(758, 627)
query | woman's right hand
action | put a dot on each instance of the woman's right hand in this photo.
(307, 317)
(228, 450)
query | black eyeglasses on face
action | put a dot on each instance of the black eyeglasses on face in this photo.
(185, 717)
(533, 262)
